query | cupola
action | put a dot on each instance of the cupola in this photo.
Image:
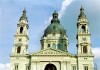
(55, 27)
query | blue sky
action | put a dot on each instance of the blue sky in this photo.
(39, 14)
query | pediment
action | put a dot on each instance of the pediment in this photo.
(85, 43)
(51, 52)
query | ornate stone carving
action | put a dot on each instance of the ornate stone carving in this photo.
(51, 51)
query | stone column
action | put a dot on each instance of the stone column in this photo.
(63, 65)
(68, 66)
(33, 66)
(38, 65)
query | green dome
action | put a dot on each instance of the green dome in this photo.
(55, 27)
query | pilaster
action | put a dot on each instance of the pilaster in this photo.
(63, 65)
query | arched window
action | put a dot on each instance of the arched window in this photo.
(18, 49)
(21, 29)
(83, 29)
(16, 67)
(42, 47)
(84, 49)
(59, 46)
(65, 47)
(85, 67)
(54, 27)
(54, 45)
(48, 45)
(20, 39)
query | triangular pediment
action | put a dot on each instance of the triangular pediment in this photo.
(51, 51)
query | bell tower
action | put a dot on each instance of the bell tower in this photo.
(83, 35)
(21, 36)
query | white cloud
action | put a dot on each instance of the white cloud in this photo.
(96, 52)
(5, 66)
(47, 22)
(65, 4)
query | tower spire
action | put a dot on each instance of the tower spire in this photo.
(24, 17)
(82, 15)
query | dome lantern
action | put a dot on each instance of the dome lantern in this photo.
(55, 27)
(55, 17)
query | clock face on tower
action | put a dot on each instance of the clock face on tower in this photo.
(84, 38)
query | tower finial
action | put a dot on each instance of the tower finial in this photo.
(24, 9)
(81, 9)
(24, 17)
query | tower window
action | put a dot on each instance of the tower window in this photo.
(21, 29)
(59, 46)
(42, 46)
(16, 67)
(20, 40)
(85, 67)
(73, 67)
(84, 49)
(18, 49)
(55, 16)
(65, 47)
(48, 45)
(83, 28)
(54, 45)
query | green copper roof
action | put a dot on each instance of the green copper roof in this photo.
(23, 17)
(82, 15)
(55, 27)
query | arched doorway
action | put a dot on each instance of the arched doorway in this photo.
(50, 67)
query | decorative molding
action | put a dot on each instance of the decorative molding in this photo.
(51, 52)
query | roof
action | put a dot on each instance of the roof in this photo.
(55, 27)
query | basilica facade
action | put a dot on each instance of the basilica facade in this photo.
(54, 54)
